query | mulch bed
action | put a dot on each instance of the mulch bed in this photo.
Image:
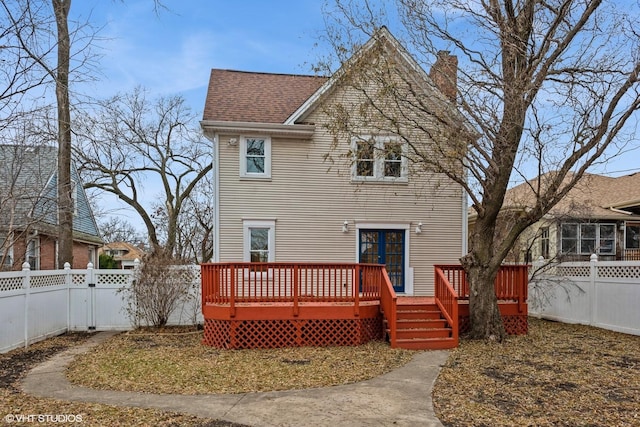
(557, 375)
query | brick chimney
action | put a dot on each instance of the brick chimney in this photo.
(444, 74)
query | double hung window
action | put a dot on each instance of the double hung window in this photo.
(259, 240)
(255, 157)
(379, 159)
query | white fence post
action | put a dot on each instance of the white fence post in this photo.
(91, 298)
(593, 301)
(68, 280)
(26, 270)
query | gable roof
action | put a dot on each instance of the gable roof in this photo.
(594, 197)
(28, 178)
(391, 45)
(240, 100)
(131, 252)
(241, 96)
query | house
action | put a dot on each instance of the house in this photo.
(28, 207)
(124, 254)
(600, 215)
(277, 199)
(303, 213)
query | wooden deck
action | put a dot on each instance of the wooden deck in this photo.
(272, 305)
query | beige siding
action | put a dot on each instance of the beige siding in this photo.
(310, 199)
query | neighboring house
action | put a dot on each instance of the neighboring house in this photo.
(600, 215)
(28, 211)
(278, 198)
(124, 254)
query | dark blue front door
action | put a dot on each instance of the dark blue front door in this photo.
(385, 247)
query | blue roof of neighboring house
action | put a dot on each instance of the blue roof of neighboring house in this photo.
(28, 177)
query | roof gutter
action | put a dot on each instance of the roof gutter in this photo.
(287, 131)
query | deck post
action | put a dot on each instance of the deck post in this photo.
(232, 291)
(356, 290)
(296, 283)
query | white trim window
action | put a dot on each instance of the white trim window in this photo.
(259, 240)
(255, 157)
(632, 236)
(379, 159)
(32, 254)
(588, 238)
(6, 252)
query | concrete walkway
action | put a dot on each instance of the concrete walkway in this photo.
(399, 398)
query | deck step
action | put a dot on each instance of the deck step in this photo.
(420, 323)
(418, 314)
(426, 343)
(423, 333)
(421, 326)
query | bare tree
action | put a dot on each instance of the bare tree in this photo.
(42, 37)
(548, 88)
(65, 199)
(20, 75)
(194, 239)
(135, 148)
(115, 229)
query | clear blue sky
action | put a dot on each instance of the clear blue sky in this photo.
(174, 51)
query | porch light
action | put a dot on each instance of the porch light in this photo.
(419, 228)
(345, 226)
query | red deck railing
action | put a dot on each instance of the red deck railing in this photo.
(510, 284)
(388, 304)
(295, 283)
(447, 301)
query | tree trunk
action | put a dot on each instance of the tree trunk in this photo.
(65, 187)
(485, 318)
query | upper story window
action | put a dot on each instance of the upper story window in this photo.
(379, 159)
(255, 157)
(588, 238)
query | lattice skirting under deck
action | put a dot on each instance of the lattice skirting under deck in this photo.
(513, 324)
(241, 334)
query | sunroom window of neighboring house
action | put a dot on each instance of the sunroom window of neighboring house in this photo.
(588, 238)
(259, 240)
(632, 236)
(379, 159)
(255, 157)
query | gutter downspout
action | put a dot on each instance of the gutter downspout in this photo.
(216, 198)
(611, 208)
(465, 223)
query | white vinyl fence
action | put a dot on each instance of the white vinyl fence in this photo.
(605, 294)
(35, 305)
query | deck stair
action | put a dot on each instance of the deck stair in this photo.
(420, 325)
